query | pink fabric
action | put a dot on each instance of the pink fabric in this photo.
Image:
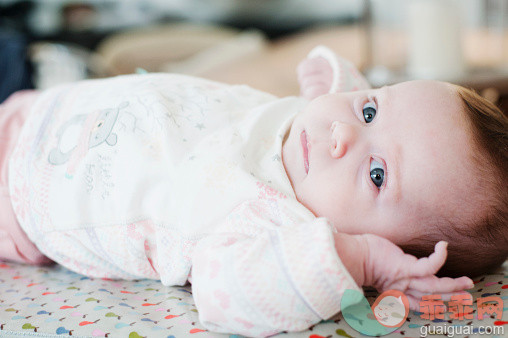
(14, 243)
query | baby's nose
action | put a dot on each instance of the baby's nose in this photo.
(342, 138)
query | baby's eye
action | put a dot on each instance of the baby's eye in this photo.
(369, 111)
(377, 173)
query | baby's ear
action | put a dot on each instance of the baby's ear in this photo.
(346, 77)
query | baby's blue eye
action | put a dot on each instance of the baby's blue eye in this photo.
(369, 111)
(377, 173)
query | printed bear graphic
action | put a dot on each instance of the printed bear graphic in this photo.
(96, 128)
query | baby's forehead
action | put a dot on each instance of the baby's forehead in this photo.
(424, 85)
(448, 186)
(427, 102)
(437, 167)
(434, 95)
(432, 100)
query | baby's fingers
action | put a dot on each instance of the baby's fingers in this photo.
(416, 300)
(311, 90)
(308, 67)
(430, 265)
(447, 296)
(414, 303)
(433, 284)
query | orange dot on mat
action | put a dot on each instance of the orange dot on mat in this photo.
(196, 330)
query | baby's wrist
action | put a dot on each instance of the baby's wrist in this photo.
(352, 251)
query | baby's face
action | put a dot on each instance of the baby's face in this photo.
(379, 161)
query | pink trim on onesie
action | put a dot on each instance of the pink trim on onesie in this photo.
(14, 243)
(83, 143)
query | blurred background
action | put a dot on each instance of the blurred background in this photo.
(257, 42)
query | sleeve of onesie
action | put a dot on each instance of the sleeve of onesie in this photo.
(263, 273)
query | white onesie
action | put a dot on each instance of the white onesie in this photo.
(177, 178)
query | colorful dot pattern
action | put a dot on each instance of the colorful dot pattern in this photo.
(54, 301)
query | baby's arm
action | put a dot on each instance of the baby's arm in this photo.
(377, 262)
(268, 271)
(315, 77)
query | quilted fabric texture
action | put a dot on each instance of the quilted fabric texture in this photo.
(53, 301)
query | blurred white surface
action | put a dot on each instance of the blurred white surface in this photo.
(56, 64)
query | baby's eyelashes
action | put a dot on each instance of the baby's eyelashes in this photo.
(377, 173)
(369, 111)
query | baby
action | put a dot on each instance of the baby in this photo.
(270, 207)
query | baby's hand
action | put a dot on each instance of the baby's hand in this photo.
(315, 76)
(388, 267)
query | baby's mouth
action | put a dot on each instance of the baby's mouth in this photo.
(305, 146)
